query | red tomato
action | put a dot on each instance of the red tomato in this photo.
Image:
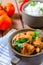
(10, 9)
(21, 6)
(1, 8)
(2, 12)
(5, 22)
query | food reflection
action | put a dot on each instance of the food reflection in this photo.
(28, 43)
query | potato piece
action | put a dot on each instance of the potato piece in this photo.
(38, 38)
(38, 49)
(29, 35)
(24, 49)
(41, 44)
(37, 42)
(22, 35)
(28, 49)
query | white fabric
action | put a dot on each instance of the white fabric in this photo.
(4, 51)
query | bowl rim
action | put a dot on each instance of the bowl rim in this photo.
(12, 35)
(28, 14)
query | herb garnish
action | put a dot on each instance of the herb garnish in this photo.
(41, 9)
(32, 3)
(18, 43)
(36, 34)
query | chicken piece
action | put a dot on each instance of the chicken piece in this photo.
(22, 35)
(42, 45)
(30, 32)
(37, 42)
(38, 49)
(27, 49)
(29, 35)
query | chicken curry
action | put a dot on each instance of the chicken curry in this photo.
(28, 43)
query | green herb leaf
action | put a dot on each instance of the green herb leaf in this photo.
(18, 43)
(36, 34)
(41, 9)
(33, 3)
(18, 46)
(23, 40)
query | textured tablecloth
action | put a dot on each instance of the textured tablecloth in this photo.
(4, 51)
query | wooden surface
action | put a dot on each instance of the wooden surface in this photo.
(15, 18)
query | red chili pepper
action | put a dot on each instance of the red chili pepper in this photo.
(26, 1)
(23, 4)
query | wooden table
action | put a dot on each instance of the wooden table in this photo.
(15, 18)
